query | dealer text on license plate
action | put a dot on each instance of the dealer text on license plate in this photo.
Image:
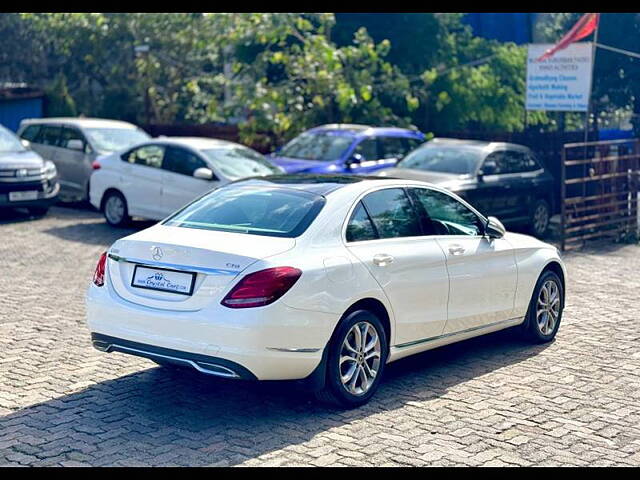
(163, 280)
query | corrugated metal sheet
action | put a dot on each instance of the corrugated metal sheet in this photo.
(12, 111)
(505, 27)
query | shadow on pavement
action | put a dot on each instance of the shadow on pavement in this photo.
(164, 416)
(97, 233)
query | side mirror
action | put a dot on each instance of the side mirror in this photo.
(494, 228)
(355, 160)
(25, 143)
(75, 144)
(203, 173)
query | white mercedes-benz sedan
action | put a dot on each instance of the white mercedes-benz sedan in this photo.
(155, 178)
(320, 278)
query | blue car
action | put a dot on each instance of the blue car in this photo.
(345, 148)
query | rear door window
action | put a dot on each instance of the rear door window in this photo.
(360, 226)
(393, 147)
(368, 149)
(148, 155)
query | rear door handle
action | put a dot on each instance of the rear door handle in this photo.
(382, 259)
(456, 249)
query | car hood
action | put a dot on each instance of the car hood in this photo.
(297, 165)
(444, 180)
(23, 159)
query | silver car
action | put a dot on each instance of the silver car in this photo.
(74, 144)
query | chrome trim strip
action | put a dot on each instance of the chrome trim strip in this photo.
(295, 350)
(431, 339)
(231, 373)
(172, 266)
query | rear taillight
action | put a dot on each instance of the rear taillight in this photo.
(98, 275)
(262, 288)
(95, 165)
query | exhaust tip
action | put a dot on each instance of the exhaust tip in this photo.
(100, 345)
(218, 370)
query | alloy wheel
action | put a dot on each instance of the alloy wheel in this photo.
(540, 219)
(114, 209)
(548, 307)
(360, 357)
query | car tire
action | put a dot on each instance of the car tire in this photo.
(545, 309)
(367, 362)
(114, 207)
(540, 217)
(38, 211)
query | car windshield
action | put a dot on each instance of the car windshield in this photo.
(445, 159)
(275, 212)
(9, 142)
(320, 146)
(240, 162)
(114, 139)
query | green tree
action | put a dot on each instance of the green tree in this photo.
(59, 102)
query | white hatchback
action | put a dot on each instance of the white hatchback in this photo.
(321, 278)
(157, 177)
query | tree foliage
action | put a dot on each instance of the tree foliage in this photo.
(272, 72)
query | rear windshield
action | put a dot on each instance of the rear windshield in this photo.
(274, 212)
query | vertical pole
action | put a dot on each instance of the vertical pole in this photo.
(563, 199)
(586, 120)
(593, 64)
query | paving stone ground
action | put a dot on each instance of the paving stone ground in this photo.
(487, 401)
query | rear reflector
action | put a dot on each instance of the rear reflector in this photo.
(95, 165)
(262, 288)
(98, 275)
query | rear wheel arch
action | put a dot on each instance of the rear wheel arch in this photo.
(106, 193)
(374, 306)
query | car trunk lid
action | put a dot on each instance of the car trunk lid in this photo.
(184, 269)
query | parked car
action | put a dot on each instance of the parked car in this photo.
(26, 180)
(157, 177)
(74, 144)
(501, 179)
(321, 278)
(345, 148)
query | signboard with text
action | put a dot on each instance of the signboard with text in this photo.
(560, 83)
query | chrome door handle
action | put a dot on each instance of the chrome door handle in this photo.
(382, 259)
(456, 249)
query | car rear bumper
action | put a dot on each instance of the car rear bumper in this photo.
(267, 343)
(203, 363)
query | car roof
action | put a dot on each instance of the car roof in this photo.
(351, 129)
(480, 144)
(322, 184)
(198, 143)
(81, 122)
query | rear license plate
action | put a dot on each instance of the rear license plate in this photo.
(26, 195)
(163, 280)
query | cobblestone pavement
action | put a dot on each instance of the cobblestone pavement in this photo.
(487, 401)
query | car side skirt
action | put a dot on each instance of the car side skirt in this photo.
(409, 348)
